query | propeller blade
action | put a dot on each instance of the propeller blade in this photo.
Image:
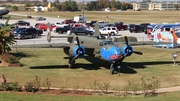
(139, 53)
(74, 58)
(48, 32)
(49, 36)
(77, 39)
(126, 40)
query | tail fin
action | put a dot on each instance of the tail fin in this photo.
(49, 5)
(96, 33)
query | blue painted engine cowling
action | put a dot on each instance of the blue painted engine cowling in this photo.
(78, 49)
(110, 53)
(125, 50)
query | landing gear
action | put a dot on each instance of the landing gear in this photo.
(115, 66)
(71, 62)
(112, 69)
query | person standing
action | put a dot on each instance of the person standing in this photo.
(3, 79)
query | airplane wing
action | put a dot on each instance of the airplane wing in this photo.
(51, 45)
(142, 43)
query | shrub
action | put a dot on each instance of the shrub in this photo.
(104, 87)
(9, 58)
(15, 86)
(29, 87)
(5, 86)
(47, 83)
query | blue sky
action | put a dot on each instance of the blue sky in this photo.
(117, 0)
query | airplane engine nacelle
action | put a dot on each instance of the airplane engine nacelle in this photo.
(129, 50)
(75, 50)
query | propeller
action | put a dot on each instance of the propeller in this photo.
(139, 53)
(128, 48)
(77, 39)
(48, 32)
(72, 60)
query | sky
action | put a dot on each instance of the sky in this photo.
(117, 0)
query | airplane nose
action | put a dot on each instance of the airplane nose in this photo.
(110, 53)
(115, 53)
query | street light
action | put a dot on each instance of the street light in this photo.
(174, 56)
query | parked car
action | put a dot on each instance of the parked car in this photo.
(121, 26)
(61, 30)
(59, 24)
(136, 28)
(111, 30)
(23, 23)
(68, 21)
(43, 26)
(80, 31)
(40, 19)
(24, 33)
(145, 25)
(130, 25)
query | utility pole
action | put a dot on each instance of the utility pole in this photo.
(83, 10)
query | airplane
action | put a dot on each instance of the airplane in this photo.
(3, 12)
(41, 8)
(95, 46)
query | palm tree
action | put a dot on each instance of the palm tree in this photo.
(6, 38)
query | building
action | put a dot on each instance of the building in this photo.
(156, 5)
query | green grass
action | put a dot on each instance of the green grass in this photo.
(126, 16)
(10, 96)
(49, 63)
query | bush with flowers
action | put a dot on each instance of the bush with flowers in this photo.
(9, 58)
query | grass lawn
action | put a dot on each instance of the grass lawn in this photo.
(127, 17)
(49, 63)
(17, 96)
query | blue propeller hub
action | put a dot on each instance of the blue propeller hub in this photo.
(127, 49)
(110, 53)
(79, 50)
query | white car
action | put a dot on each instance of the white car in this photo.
(59, 24)
(111, 30)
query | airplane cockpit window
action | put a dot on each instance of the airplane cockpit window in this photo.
(106, 42)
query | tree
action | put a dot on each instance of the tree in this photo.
(45, 1)
(15, 8)
(6, 38)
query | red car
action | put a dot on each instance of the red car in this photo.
(43, 26)
(68, 21)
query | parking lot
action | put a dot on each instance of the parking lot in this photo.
(43, 38)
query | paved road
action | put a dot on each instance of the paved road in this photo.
(43, 38)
